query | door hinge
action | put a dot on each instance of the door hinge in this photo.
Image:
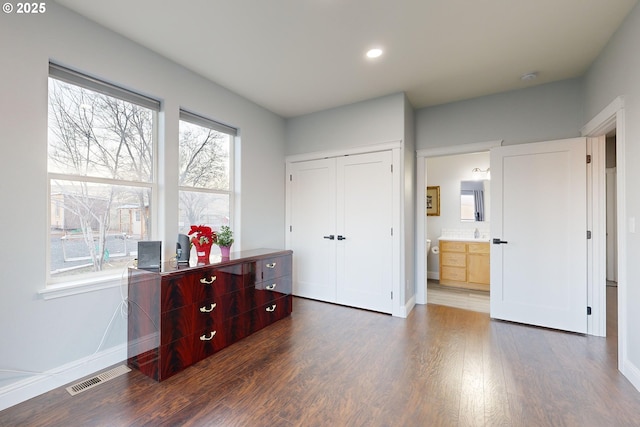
(290, 228)
(588, 234)
(588, 158)
(391, 294)
(588, 311)
(392, 231)
(290, 177)
(391, 168)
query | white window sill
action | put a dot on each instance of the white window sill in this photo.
(77, 287)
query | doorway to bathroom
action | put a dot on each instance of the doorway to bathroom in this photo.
(447, 169)
(458, 261)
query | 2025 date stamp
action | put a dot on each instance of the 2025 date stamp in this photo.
(24, 8)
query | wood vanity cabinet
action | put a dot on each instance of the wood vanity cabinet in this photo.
(465, 264)
(182, 315)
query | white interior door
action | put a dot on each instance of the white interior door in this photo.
(364, 222)
(312, 218)
(539, 273)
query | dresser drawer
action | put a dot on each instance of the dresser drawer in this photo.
(273, 267)
(207, 341)
(176, 324)
(453, 259)
(186, 351)
(208, 314)
(237, 327)
(175, 356)
(450, 246)
(235, 303)
(267, 314)
(176, 292)
(280, 285)
(215, 282)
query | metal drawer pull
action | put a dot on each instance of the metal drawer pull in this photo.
(211, 335)
(204, 280)
(271, 287)
(205, 310)
(272, 265)
(271, 309)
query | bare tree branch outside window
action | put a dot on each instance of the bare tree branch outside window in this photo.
(204, 176)
(100, 163)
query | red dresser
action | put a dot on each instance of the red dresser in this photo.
(181, 315)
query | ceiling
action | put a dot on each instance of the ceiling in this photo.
(295, 57)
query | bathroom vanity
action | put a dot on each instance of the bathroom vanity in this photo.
(465, 263)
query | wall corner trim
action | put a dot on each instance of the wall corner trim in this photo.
(604, 120)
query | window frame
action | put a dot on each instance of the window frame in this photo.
(70, 285)
(199, 120)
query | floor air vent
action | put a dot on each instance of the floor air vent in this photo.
(97, 380)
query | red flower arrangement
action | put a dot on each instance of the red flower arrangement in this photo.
(202, 235)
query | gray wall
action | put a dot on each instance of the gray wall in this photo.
(615, 73)
(364, 123)
(545, 112)
(39, 335)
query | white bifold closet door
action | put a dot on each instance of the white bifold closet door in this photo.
(341, 230)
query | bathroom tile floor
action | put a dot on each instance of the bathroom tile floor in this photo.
(457, 297)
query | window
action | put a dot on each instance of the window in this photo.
(467, 206)
(101, 174)
(205, 175)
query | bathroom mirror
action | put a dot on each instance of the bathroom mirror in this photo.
(474, 199)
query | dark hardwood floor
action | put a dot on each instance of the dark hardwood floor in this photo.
(328, 365)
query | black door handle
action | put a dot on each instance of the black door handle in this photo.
(330, 237)
(499, 242)
(341, 237)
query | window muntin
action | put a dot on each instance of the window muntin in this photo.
(205, 175)
(101, 175)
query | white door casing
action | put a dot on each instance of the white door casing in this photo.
(539, 207)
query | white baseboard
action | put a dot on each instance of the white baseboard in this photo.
(406, 309)
(38, 384)
(632, 373)
(433, 275)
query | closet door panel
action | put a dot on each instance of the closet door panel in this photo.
(313, 221)
(364, 221)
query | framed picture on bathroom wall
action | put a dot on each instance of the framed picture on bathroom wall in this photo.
(433, 201)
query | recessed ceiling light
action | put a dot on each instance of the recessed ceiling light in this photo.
(529, 76)
(374, 53)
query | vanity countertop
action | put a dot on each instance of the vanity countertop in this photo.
(465, 239)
